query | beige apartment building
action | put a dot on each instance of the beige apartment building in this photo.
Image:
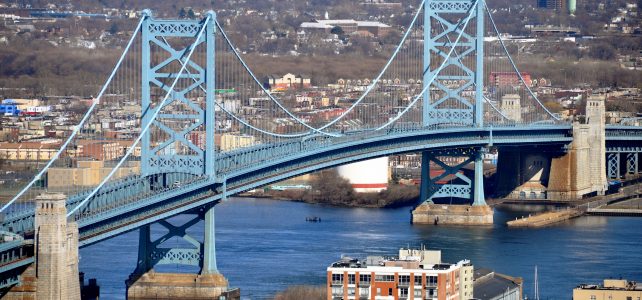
(613, 289)
(87, 173)
(234, 141)
(31, 151)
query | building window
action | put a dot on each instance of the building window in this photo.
(364, 279)
(390, 292)
(403, 292)
(385, 278)
(404, 279)
(351, 291)
(417, 294)
(351, 279)
(337, 291)
(432, 280)
(431, 293)
(418, 280)
(337, 278)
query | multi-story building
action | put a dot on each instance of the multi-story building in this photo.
(86, 173)
(33, 151)
(501, 79)
(613, 289)
(414, 274)
(234, 141)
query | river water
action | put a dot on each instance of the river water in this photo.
(263, 246)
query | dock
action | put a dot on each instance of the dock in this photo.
(546, 218)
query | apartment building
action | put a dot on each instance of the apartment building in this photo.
(612, 289)
(414, 274)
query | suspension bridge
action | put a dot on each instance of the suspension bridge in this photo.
(436, 94)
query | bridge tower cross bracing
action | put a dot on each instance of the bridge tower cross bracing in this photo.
(166, 160)
(455, 96)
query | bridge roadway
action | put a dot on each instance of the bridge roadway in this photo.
(131, 202)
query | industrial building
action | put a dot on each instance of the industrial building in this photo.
(612, 289)
(414, 274)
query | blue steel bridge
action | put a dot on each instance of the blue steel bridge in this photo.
(433, 96)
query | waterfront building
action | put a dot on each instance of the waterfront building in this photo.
(414, 274)
(490, 285)
(612, 289)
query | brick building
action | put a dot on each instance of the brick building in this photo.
(508, 79)
(414, 274)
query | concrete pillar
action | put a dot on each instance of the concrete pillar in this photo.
(56, 250)
(569, 178)
(511, 107)
(583, 169)
(595, 118)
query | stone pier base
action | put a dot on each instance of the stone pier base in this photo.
(442, 214)
(153, 285)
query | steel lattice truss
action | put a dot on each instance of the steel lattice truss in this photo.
(185, 112)
(456, 94)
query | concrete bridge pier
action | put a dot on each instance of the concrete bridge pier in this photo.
(54, 275)
(146, 283)
(452, 197)
(582, 170)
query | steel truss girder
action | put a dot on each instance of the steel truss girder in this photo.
(159, 157)
(632, 163)
(613, 165)
(470, 111)
(200, 254)
(466, 189)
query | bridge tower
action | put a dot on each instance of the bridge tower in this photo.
(171, 154)
(455, 96)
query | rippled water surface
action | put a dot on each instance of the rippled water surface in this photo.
(264, 246)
